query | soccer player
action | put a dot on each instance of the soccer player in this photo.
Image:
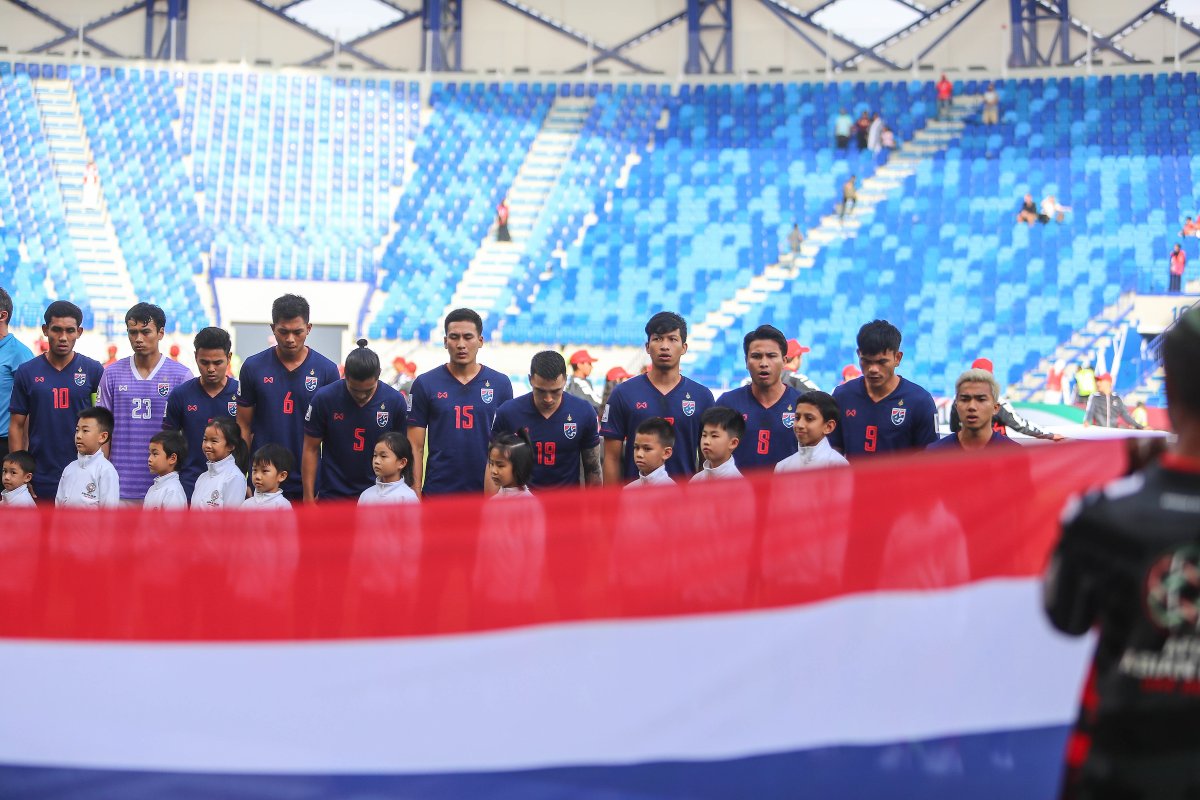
(768, 404)
(563, 427)
(13, 353)
(881, 411)
(662, 392)
(1126, 567)
(975, 400)
(453, 408)
(1006, 417)
(192, 405)
(135, 390)
(48, 393)
(278, 383)
(342, 424)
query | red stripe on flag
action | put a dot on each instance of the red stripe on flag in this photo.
(457, 565)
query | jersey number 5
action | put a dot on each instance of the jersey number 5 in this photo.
(360, 443)
(872, 439)
(464, 417)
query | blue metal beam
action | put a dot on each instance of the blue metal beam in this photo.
(926, 15)
(102, 21)
(391, 26)
(710, 37)
(632, 41)
(1105, 42)
(569, 32)
(65, 28)
(442, 46)
(1028, 17)
(1183, 23)
(794, 28)
(275, 12)
(942, 36)
(806, 18)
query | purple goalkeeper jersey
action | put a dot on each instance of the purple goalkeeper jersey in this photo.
(138, 406)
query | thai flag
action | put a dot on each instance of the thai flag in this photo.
(872, 632)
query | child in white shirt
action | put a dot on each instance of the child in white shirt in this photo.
(270, 469)
(392, 464)
(653, 443)
(90, 481)
(510, 464)
(18, 473)
(817, 416)
(168, 449)
(223, 482)
(721, 432)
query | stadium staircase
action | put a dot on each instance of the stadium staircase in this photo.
(101, 262)
(889, 180)
(486, 280)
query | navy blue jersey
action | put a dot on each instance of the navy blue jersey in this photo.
(457, 418)
(189, 410)
(951, 442)
(904, 420)
(348, 433)
(280, 399)
(770, 437)
(637, 400)
(51, 400)
(557, 441)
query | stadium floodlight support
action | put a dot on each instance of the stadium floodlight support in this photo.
(1180, 23)
(344, 47)
(941, 37)
(633, 41)
(710, 37)
(443, 36)
(407, 17)
(69, 32)
(1029, 18)
(926, 14)
(789, 15)
(587, 41)
(171, 17)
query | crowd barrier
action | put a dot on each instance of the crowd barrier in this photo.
(872, 632)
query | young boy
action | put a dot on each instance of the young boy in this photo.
(271, 466)
(721, 431)
(18, 472)
(90, 481)
(168, 452)
(817, 416)
(653, 444)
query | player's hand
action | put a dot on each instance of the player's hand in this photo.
(1057, 437)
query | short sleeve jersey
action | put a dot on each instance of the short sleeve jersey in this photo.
(952, 443)
(770, 435)
(637, 400)
(558, 441)
(13, 353)
(189, 410)
(280, 399)
(904, 420)
(348, 433)
(52, 399)
(458, 420)
(139, 407)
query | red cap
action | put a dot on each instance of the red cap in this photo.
(795, 349)
(617, 374)
(850, 371)
(582, 357)
(174, 351)
(982, 363)
(1104, 377)
(112, 349)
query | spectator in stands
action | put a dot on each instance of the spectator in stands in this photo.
(1140, 415)
(1054, 383)
(1107, 409)
(1085, 383)
(91, 186)
(991, 105)
(1052, 210)
(849, 197)
(945, 95)
(850, 372)
(795, 239)
(615, 377)
(580, 384)
(887, 139)
(1028, 213)
(1178, 262)
(875, 134)
(1190, 228)
(13, 353)
(112, 355)
(174, 352)
(502, 234)
(862, 130)
(791, 368)
(842, 124)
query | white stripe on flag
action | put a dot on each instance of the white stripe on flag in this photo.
(861, 670)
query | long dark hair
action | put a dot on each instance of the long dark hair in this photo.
(518, 449)
(398, 443)
(233, 436)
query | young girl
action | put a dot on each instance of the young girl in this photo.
(392, 464)
(223, 482)
(510, 464)
(272, 464)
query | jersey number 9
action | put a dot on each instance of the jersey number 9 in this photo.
(872, 434)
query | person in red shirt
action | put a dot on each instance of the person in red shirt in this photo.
(1189, 228)
(1178, 262)
(945, 95)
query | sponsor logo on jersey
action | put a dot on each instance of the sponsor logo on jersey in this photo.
(39, 379)
(789, 419)
(640, 406)
(122, 388)
(310, 382)
(232, 408)
(80, 379)
(268, 378)
(443, 396)
(164, 389)
(689, 407)
(381, 418)
(898, 415)
(193, 408)
(851, 412)
(570, 429)
(338, 416)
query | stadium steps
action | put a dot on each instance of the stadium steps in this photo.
(93, 237)
(1098, 332)
(927, 142)
(496, 264)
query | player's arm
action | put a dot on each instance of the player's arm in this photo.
(173, 416)
(416, 438)
(614, 453)
(245, 420)
(309, 460)
(104, 399)
(18, 427)
(1011, 419)
(925, 431)
(592, 472)
(1069, 586)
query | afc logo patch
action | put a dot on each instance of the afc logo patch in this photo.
(570, 429)
(80, 379)
(689, 407)
(898, 415)
(789, 420)
(310, 383)
(232, 408)
(164, 389)
(381, 418)
(486, 395)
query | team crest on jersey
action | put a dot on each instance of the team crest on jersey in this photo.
(898, 415)
(487, 393)
(381, 418)
(689, 407)
(570, 428)
(232, 408)
(80, 379)
(789, 419)
(310, 381)
(164, 389)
